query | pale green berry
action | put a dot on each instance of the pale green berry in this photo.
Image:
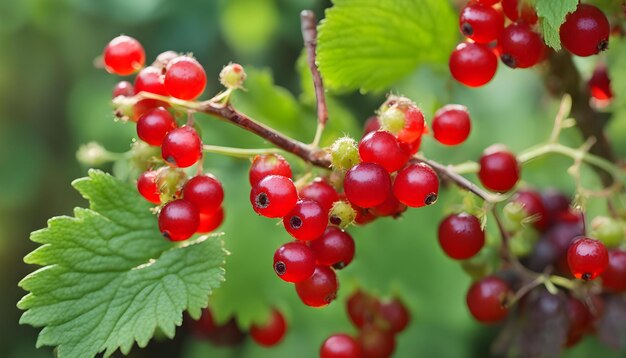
(342, 214)
(608, 230)
(232, 76)
(344, 153)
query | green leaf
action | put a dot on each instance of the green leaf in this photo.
(109, 278)
(552, 14)
(370, 44)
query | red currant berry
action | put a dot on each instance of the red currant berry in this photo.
(210, 222)
(148, 188)
(488, 2)
(473, 64)
(382, 148)
(376, 343)
(532, 205)
(360, 307)
(614, 278)
(204, 326)
(486, 299)
(525, 14)
(579, 320)
(461, 236)
(587, 258)
(320, 289)
(149, 80)
(178, 220)
(268, 164)
(205, 192)
(555, 204)
(414, 125)
(499, 169)
(391, 207)
(153, 125)
(416, 185)
(413, 147)
(294, 262)
(182, 147)
(394, 314)
(335, 248)
(451, 124)
(520, 46)
(367, 185)
(321, 192)
(185, 78)
(363, 216)
(123, 55)
(600, 84)
(340, 346)
(306, 221)
(481, 23)
(585, 31)
(271, 332)
(274, 196)
(123, 88)
(371, 124)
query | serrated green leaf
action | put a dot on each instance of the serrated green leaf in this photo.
(109, 278)
(370, 44)
(552, 14)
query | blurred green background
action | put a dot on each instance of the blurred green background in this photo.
(53, 98)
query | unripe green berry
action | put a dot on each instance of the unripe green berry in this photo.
(344, 153)
(93, 154)
(232, 76)
(392, 120)
(482, 264)
(608, 230)
(515, 215)
(341, 214)
(123, 107)
(170, 181)
(142, 155)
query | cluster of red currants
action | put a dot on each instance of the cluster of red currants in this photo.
(378, 321)
(474, 63)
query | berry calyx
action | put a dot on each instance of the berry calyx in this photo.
(451, 124)
(520, 46)
(268, 164)
(184, 78)
(321, 192)
(334, 248)
(210, 222)
(123, 56)
(182, 147)
(367, 185)
(274, 196)
(294, 262)
(306, 221)
(179, 220)
(499, 169)
(271, 332)
(461, 236)
(614, 277)
(481, 23)
(153, 126)
(205, 192)
(587, 258)
(340, 346)
(382, 148)
(585, 31)
(416, 185)
(148, 188)
(320, 289)
(344, 153)
(473, 64)
(486, 299)
(232, 76)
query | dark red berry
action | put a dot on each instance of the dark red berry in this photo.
(306, 221)
(614, 278)
(123, 88)
(367, 185)
(148, 188)
(274, 196)
(211, 221)
(451, 124)
(393, 314)
(585, 31)
(205, 192)
(391, 207)
(360, 307)
(461, 236)
(321, 192)
(153, 125)
(335, 248)
(375, 342)
(532, 205)
(499, 169)
(294, 262)
(416, 185)
(587, 258)
(179, 220)
(473, 64)
(271, 332)
(204, 326)
(579, 320)
(320, 289)
(525, 14)
(555, 203)
(520, 46)
(123, 55)
(268, 164)
(486, 299)
(382, 148)
(340, 346)
(600, 84)
(182, 147)
(371, 124)
(185, 78)
(481, 23)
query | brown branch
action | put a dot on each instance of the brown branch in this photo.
(309, 34)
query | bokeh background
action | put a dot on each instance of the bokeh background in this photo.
(53, 99)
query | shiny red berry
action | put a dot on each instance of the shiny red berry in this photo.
(306, 221)
(340, 346)
(123, 55)
(526, 13)
(334, 248)
(376, 342)
(274, 196)
(520, 46)
(414, 125)
(123, 88)
(481, 23)
(499, 170)
(294, 262)
(271, 332)
(587, 258)
(182, 147)
(382, 148)
(391, 207)
(153, 125)
(585, 31)
(416, 185)
(600, 84)
(451, 124)
(320, 289)
(486, 299)
(148, 188)
(614, 278)
(461, 236)
(179, 220)
(184, 78)
(321, 192)
(211, 221)
(268, 164)
(367, 185)
(205, 192)
(149, 80)
(473, 64)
